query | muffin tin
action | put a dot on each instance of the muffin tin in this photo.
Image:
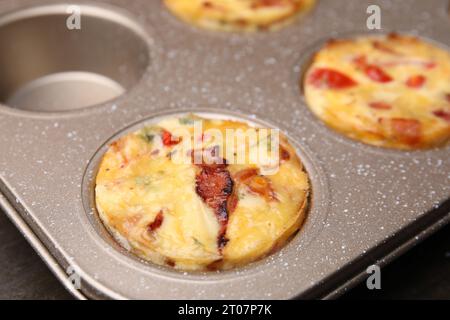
(67, 93)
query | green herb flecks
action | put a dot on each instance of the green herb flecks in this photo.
(144, 181)
(186, 121)
(149, 134)
(197, 242)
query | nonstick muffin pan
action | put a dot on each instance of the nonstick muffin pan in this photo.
(66, 93)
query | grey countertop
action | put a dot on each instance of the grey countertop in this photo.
(23, 275)
(422, 273)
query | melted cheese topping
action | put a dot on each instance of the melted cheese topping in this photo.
(229, 15)
(150, 202)
(391, 91)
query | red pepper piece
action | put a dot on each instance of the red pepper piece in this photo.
(330, 79)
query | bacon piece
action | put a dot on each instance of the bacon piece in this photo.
(447, 97)
(170, 262)
(215, 187)
(213, 6)
(284, 154)
(232, 202)
(360, 61)
(256, 183)
(380, 105)
(383, 47)
(330, 79)
(222, 240)
(207, 4)
(157, 222)
(406, 130)
(394, 36)
(442, 114)
(215, 265)
(416, 81)
(261, 185)
(168, 140)
(246, 174)
(268, 3)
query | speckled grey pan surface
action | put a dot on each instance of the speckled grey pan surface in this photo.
(368, 204)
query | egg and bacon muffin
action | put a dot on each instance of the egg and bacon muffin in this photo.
(201, 208)
(238, 15)
(390, 91)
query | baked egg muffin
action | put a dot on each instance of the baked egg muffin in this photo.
(390, 91)
(238, 15)
(186, 193)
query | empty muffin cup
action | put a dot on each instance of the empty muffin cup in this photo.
(61, 57)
